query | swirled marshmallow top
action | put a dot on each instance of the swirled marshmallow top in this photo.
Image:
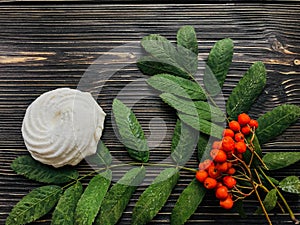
(63, 126)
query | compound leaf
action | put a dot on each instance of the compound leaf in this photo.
(154, 197)
(34, 205)
(247, 90)
(187, 203)
(130, 131)
(34, 170)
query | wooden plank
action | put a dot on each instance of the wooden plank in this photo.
(141, 1)
(43, 47)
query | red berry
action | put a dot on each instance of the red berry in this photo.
(227, 203)
(229, 181)
(240, 147)
(234, 125)
(253, 123)
(243, 119)
(222, 167)
(205, 164)
(228, 132)
(229, 164)
(219, 184)
(201, 175)
(246, 130)
(213, 172)
(228, 144)
(210, 183)
(231, 171)
(239, 137)
(218, 155)
(222, 193)
(217, 145)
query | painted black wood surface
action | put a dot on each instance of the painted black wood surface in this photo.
(43, 47)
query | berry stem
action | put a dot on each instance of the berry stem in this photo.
(128, 164)
(242, 193)
(251, 159)
(254, 185)
(258, 177)
(262, 206)
(244, 187)
(261, 161)
(293, 218)
(252, 149)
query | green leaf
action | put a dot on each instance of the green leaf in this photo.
(65, 208)
(290, 184)
(118, 197)
(160, 48)
(34, 170)
(218, 63)
(202, 125)
(266, 181)
(102, 156)
(274, 181)
(130, 131)
(183, 143)
(163, 51)
(177, 86)
(239, 208)
(91, 199)
(204, 147)
(154, 197)
(34, 205)
(187, 203)
(276, 121)
(151, 66)
(269, 202)
(278, 160)
(187, 38)
(187, 60)
(247, 90)
(194, 108)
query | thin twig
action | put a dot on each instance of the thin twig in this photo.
(293, 218)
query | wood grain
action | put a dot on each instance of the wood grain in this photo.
(50, 46)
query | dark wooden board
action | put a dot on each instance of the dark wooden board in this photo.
(50, 46)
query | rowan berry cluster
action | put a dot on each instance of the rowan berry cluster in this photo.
(217, 172)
